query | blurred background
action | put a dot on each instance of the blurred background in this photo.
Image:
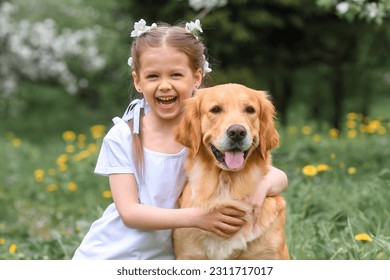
(318, 59)
(64, 75)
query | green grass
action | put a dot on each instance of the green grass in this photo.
(326, 211)
(46, 217)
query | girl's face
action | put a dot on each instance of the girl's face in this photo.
(166, 79)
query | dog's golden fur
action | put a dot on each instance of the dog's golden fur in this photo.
(229, 131)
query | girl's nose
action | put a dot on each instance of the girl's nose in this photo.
(164, 85)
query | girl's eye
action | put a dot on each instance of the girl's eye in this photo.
(177, 75)
(151, 76)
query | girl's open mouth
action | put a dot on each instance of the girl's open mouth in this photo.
(166, 100)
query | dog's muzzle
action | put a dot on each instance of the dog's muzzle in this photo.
(234, 150)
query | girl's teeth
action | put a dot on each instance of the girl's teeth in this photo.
(166, 98)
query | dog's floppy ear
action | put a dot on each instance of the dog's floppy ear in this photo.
(268, 135)
(188, 132)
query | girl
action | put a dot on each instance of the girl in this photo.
(145, 164)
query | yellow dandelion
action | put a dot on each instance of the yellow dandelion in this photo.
(306, 130)
(317, 138)
(351, 124)
(52, 172)
(72, 186)
(63, 167)
(62, 159)
(92, 148)
(52, 188)
(352, 133)
(309, 170)
(98, 131)
(363, 128)
(69, 135)
(77, 228)
(351, 170)
(352, 116)
(82, 155)
(12, 248)
(107, 194)
(2, 241)
(373, 126)
(81, 140)
(81, 137)
(39, 175)
(333, 156)
(16, 142)
(69, 149)
(322, 167)
(334, 132)
(363, 237)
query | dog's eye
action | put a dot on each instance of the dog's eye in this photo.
(250, 110)
(216, 109)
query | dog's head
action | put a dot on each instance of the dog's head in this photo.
(228, 122)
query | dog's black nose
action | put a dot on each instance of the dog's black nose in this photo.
(236, 132)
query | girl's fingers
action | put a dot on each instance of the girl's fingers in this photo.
(233, 212)
(233, 221)
(227, 231)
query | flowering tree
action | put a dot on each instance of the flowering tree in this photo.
(39, 51)
(349, 9)
(358, 9)
(209, 4)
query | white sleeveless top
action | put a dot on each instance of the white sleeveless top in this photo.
(161, 185)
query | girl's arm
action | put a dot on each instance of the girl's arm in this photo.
(273, 183)
(224, 222)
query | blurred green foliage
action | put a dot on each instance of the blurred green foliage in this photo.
(303, 54)
(300, 51)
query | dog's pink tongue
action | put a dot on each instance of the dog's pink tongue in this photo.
(234, 159)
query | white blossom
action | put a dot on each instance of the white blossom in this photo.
(206, 4)
(193, 27)
(39, 51)
(141, 27)
(206, 68)
(130, 61)
(342, 7)
(372, 9)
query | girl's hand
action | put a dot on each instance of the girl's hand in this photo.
(224, 221)
(273, 183)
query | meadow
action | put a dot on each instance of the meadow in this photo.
(337, 199)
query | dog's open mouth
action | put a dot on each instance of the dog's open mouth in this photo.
(233, 159)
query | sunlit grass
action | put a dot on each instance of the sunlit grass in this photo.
(339, 186)
(49, 195)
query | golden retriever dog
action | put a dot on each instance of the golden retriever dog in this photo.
(229, 132)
